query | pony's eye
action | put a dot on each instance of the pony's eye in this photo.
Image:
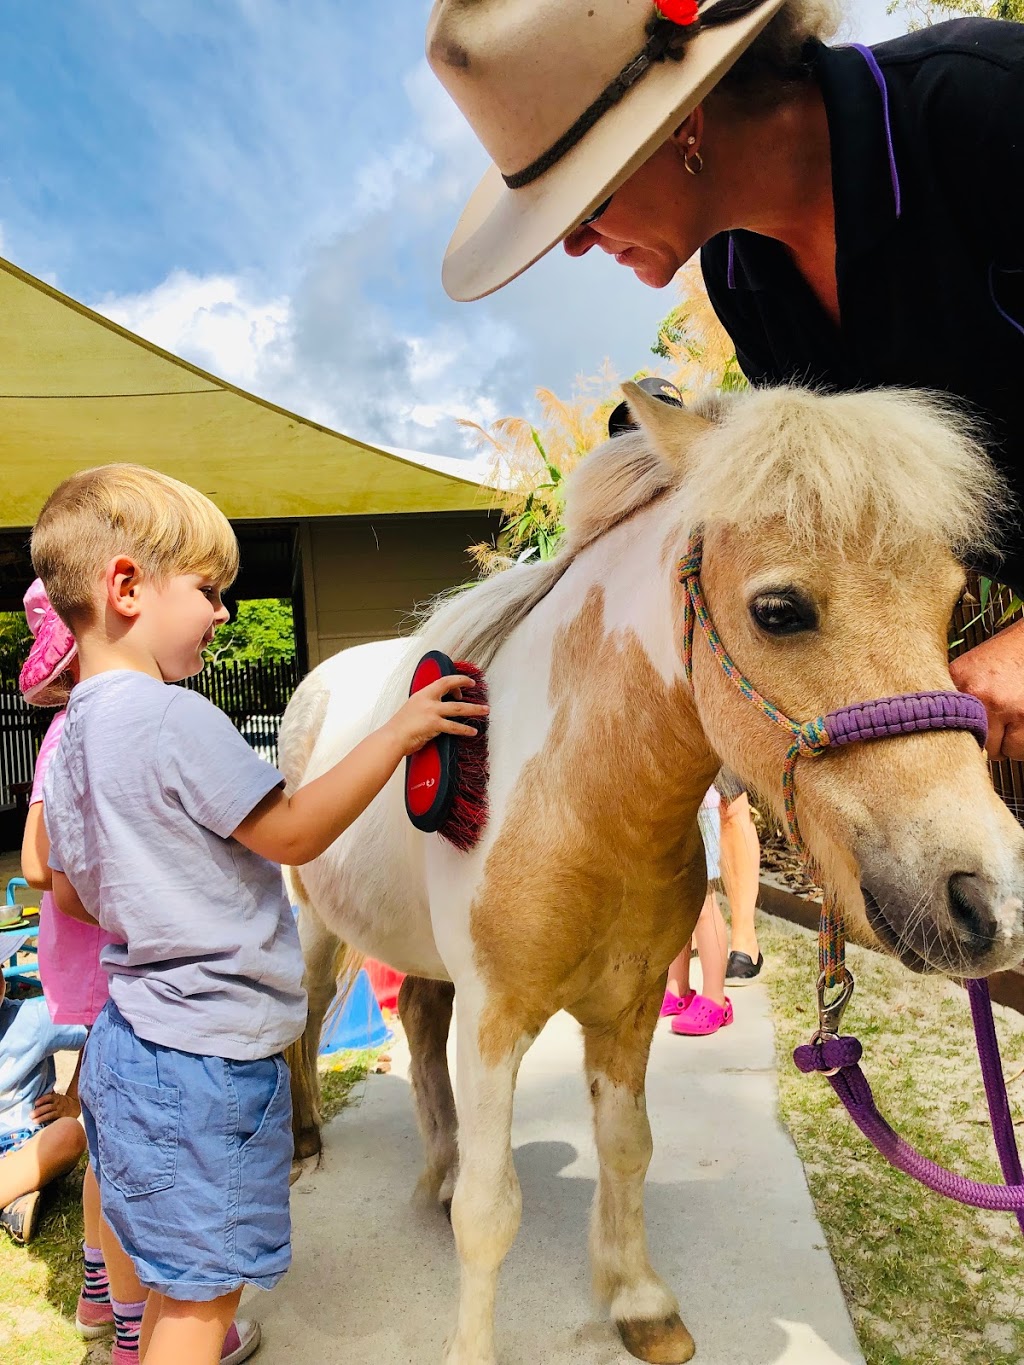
(783, 613)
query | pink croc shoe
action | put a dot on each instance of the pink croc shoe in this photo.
(702, 1016)
(675, 1004)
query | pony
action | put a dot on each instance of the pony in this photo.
(834, 530)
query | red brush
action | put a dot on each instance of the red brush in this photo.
(446, 780)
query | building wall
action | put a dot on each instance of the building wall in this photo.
(362, 576)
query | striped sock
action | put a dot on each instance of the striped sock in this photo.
(95, 1286)
(127, 1322)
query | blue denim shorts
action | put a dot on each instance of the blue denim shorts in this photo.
(193, 1156)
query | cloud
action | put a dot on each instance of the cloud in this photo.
(362, 337)
(215, 322)
(344, 367)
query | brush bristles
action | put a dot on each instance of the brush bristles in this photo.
(468, 816)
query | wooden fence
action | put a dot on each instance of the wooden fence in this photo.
(22, 728)
(254, 694)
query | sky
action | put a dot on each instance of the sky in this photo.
(266, 188)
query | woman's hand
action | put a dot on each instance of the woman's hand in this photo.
(54, 1105)
(994, 673)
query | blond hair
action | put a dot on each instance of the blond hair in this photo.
(165, 526)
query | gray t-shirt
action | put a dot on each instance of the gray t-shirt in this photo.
(141, 799)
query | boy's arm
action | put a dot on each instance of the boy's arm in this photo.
(35, 849)
(296, 829)
(67, 900)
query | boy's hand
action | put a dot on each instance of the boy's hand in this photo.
(425, 715)
(53, 1106)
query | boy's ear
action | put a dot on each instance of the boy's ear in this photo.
(121, 581)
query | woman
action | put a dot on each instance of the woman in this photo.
(860, 213)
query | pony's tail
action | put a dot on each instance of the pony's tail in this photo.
(330, 969)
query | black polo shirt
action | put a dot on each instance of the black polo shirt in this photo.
(927, 136)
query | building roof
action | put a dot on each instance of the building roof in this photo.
(77, 390)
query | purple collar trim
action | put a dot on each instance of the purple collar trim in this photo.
(902, 715)
(894, 175)
(883, 90)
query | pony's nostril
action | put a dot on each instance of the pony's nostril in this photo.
(970, 905)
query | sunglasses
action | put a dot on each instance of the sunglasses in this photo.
(593, 217)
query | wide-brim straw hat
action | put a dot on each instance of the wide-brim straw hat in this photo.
(53, 649)
(529, 74)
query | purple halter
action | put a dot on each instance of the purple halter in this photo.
(910, 711)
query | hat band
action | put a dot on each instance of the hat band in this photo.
(666, 40)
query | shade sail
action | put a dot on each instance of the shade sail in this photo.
(77, 390)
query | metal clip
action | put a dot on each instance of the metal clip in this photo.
(830, 1012)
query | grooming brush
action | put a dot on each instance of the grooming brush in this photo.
(446, 780)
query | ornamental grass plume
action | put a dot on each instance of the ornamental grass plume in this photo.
(531, 462)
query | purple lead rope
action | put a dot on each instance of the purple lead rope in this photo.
(839, 1059)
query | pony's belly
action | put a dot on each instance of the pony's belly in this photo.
(373, 898)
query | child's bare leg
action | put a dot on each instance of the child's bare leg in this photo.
(52, 1152)
(183, 1331)
(710, 938)
(124, 1283)
(741, 866)
(679, 973)
(91, 1208)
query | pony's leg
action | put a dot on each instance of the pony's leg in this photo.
(642, 1308)
(488, 1203)
(425, 1008)
(320, 950)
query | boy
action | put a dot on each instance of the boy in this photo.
(168, 829)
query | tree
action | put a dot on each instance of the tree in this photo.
(15, 643)
(263, 628)
(921, 13)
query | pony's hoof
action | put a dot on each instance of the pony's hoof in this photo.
(307, 1143)
(662, 1341)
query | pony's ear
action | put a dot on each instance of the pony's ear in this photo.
(670, 429)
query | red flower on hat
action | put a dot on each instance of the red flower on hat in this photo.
(682, 12)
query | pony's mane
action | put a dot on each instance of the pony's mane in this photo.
(869, 472)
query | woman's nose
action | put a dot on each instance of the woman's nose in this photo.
(579, 241)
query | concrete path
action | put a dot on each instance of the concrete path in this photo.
(731, 1224)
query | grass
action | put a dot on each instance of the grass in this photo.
(40, 1282)
(928, 1282)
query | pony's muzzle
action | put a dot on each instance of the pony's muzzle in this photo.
(969, 926)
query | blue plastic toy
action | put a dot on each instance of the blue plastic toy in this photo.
(356, 1022)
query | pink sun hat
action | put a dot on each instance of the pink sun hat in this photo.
(52, 650)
